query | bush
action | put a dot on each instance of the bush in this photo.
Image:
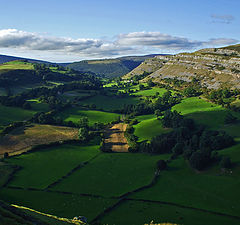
(226, 163)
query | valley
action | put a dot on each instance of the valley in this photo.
(127, 150)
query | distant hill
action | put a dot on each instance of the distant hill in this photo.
(213, 67)
(7, 58)
(109, 67)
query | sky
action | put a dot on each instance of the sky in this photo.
(73, 30)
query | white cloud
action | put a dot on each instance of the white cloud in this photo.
(222, 18)
(123, 44)
(157, 40)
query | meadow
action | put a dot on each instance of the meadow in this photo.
(112, 174)
(16, 65)
(59, 204)
(140, 212)
(210, 191)
(109, 103)
(24, 138)
(94, 116)
(12, 114)
(43, 167)
(148, 127)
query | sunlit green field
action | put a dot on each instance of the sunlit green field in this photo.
(16, 65)
(74, 114)
(148, 127)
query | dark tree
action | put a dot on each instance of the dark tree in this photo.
(161, 164)
(226, 163)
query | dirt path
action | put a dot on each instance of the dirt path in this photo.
(115, 139)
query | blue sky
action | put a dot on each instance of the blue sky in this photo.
(75, 29)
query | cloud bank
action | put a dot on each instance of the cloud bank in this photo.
(122, 44)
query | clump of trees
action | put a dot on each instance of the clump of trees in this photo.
(197, 144)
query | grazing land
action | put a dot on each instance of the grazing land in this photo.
(115, 169)
(24, 138)
(174, 157)
(94, 116)
(148, 127)
(109, 103)
(12, 114)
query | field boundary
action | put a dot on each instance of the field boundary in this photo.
(81, 165)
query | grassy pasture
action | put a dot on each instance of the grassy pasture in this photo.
(209, 114)
(12, 114)
(23, 138)
(41, 168)
(112, 174)
(145, 212)
(151, 92)
(16, 65)
(61, 205)
(74, 114)
(148, 127)
(109, 103)
(180, 184)
(5, 172)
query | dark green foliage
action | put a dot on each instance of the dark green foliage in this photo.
(161, 164)
(171, 119)
(5, 155)
(226, 162)
(229, 118)
(200, 159)
(83, 133)
(83, 122)
(178, 149)
(191, 92)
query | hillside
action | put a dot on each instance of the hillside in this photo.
(109, 67)
(7, 58)
(213, 67)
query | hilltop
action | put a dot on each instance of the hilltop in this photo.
(7, 58)
(109, 67)
(213, 67)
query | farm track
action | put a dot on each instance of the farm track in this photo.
(115, 139)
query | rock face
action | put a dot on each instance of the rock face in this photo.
(213, 67)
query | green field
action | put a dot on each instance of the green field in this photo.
(61, 205)
(140, 212)
(110, 103)
(209, 114)
(181, 185)
(41, 168)
(112, 174)
(74, 114)
(151, 92)
(148, 127)
(38, 106)
(12, 114)
(16, 65)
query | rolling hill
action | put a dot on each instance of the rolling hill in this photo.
(109, 67)
(7, 58)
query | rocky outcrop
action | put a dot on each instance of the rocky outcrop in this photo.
(213, 67)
